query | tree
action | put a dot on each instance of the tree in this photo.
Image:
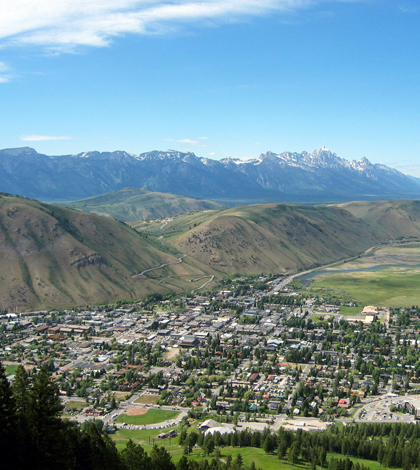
(268, 444)
(294, 452)
(45, 425)
(322, 455)
(161, 459)
(238, 462)
(8, 422)
(182, 464)
(134, 457)
(21, 388)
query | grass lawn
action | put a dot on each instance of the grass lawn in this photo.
(76, 405)
(151, 417)
(249, 454)
(269, 461)
(367, 463)
(347, 311)
(394, 287)
(148, 399)
(120, 395)
(319, 316)
(11, 370)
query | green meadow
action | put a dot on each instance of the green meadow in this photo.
(151, 417)
(249, 454)
(389, 287)
(11, 370)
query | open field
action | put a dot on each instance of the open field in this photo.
(11, 370)
(151, 417)
(348, 311)
(172, 354)
(394, 287)
(136, 411)
(120, 395)
(146, 438)
(148, 399)
(249, 454)
(387, 276)
(76, 405)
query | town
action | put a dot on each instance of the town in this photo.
(259, 353)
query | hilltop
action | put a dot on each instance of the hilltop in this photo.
(269, 238)
(286, 238)
(131, 204)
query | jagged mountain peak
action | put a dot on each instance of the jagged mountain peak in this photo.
(165, 154)
(320, 176)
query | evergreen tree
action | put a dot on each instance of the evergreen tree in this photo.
(134, 457)
(183, 464)
(8, 437)
(161, 459)
(294, 452)
(45, 424)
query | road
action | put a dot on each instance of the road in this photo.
(179, 260)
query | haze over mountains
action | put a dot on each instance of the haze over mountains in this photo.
(319, 177)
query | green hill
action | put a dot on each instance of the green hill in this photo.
(268, 238)
(55, 257)
(389, 219)
(132, 204)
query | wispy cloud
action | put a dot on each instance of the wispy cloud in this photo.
(38, 138)
(66, 24)
(409, 8)
(192, 142)
(5, 73)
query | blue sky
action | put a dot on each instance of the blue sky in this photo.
(220, 79)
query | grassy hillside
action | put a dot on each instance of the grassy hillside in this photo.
(389, 219)
(53, 257)
(267, 238)
(132, 204)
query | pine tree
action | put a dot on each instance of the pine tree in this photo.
(183, 464)
(8, 435)
(161, 459)
(134, 457)
(45, 424)
(21, 388)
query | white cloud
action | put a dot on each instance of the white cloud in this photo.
(38, 138)
(66, 24)
(188, 141)
(5, 73)
(191, 142)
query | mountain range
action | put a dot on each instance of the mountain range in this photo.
(320, 177)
